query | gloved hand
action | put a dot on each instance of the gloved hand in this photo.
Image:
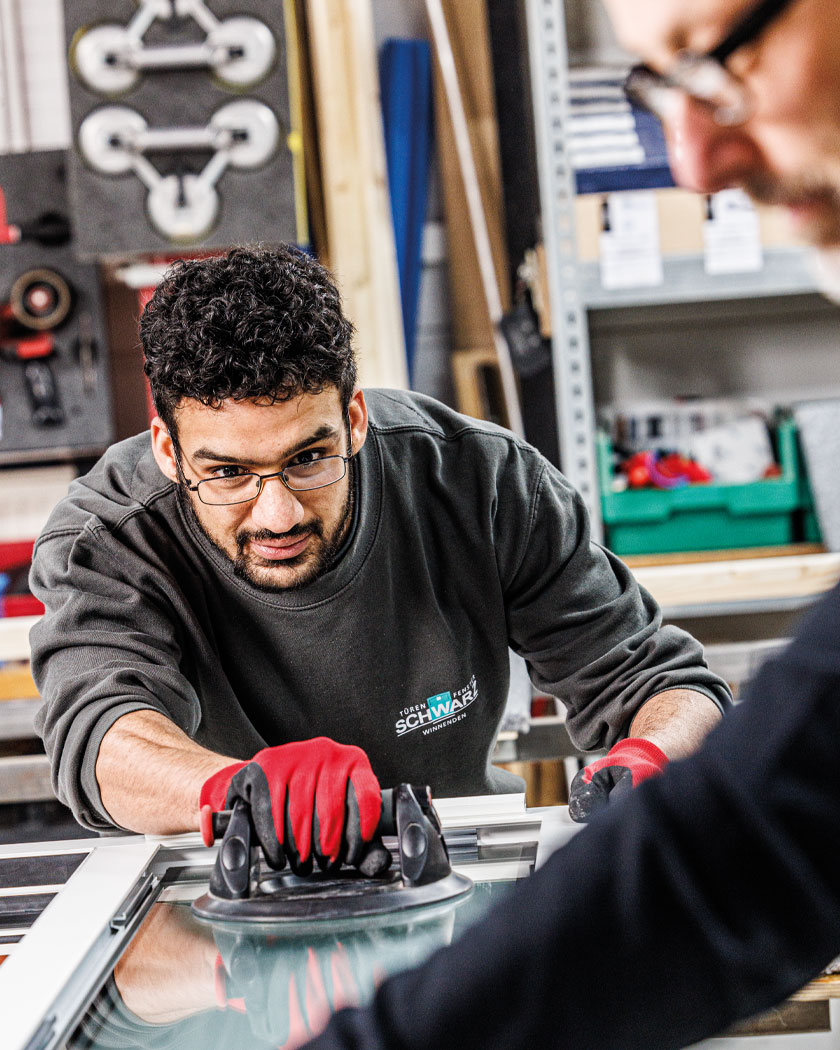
(624, 767)
(310, 799)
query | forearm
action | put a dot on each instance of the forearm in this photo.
(676, 720)
(150, 774)
(167, 972)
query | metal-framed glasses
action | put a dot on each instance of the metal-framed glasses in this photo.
(244, 487)
(705, 77)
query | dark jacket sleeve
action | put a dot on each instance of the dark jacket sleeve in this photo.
(590, 635)
(105, 646)
(706, 896)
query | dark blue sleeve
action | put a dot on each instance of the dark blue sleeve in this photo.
(706, 896)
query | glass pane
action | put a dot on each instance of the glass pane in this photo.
(193, 985)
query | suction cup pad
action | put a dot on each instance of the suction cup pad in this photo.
(255, 129)
(183, 207)
(98, 57)
(105, 136)
(250, 46)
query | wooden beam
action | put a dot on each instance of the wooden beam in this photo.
(299, 32)
(472, 189)
(475, 396)
(754, 579)
(737, 554)
(360, 230)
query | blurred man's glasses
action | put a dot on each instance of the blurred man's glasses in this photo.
(704, 77)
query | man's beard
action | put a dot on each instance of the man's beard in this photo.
(314, 566)
(823, 228)
(825, 266)
(822, 232)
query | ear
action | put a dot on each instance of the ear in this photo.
(357, 411)
(163, 449)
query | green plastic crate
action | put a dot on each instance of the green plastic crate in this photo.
(706, 516)
(810, 526)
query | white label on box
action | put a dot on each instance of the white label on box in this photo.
(629, 245)
(732, 235)
(735, 452)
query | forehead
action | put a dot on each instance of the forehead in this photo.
(656, 29)
(257, 420)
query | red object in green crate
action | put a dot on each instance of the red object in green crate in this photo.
(668, 470)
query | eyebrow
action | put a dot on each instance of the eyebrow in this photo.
(325, 432)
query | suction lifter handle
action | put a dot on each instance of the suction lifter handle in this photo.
(214, 824)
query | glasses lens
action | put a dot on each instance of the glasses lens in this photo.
(316, 474)
(218, 492)
(707, 81)
(651, 92)
(697, 76)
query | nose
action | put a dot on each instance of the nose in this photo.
(276, 508)
(705, 156)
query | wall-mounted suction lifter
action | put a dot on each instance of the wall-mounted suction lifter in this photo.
(110, 58)
(116, 140)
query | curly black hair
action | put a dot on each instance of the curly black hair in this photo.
(254, 323)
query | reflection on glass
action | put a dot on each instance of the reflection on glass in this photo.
(186, 985)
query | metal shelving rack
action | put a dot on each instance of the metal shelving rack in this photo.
(785, 272)
(575, 409)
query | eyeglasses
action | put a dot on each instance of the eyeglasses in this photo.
(242, 488)
(705, 77)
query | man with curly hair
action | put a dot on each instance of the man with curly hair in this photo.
(294, 591)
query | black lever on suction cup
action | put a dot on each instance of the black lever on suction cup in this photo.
(407, 812)
(423, 854)
(231, 876)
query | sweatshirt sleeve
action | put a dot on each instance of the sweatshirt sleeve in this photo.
(104, 647)
(704, 897)
(589, 633)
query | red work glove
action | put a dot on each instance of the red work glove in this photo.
(313, 798)
(624, 767)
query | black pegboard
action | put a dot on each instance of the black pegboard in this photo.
(109, 212)
(33, 185)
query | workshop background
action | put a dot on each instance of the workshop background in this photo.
(507, 238)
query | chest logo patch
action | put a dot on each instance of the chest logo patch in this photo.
(442, 709)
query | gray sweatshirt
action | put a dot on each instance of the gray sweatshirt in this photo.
(465, 541)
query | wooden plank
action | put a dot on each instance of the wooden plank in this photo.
(311, 218)
(360, 230)
(472, 193)
(740, 554)
(791, 1017)
(755, 579)
(469, 367)
(827, 987)
(311, 153)
(16, 683)
(469, 38)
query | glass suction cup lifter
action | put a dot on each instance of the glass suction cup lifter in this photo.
(407, 813)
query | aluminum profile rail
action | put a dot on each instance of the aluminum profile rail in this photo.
(569, 330)
(46, 984)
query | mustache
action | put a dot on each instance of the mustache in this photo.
(244, 537)
(771, 191)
